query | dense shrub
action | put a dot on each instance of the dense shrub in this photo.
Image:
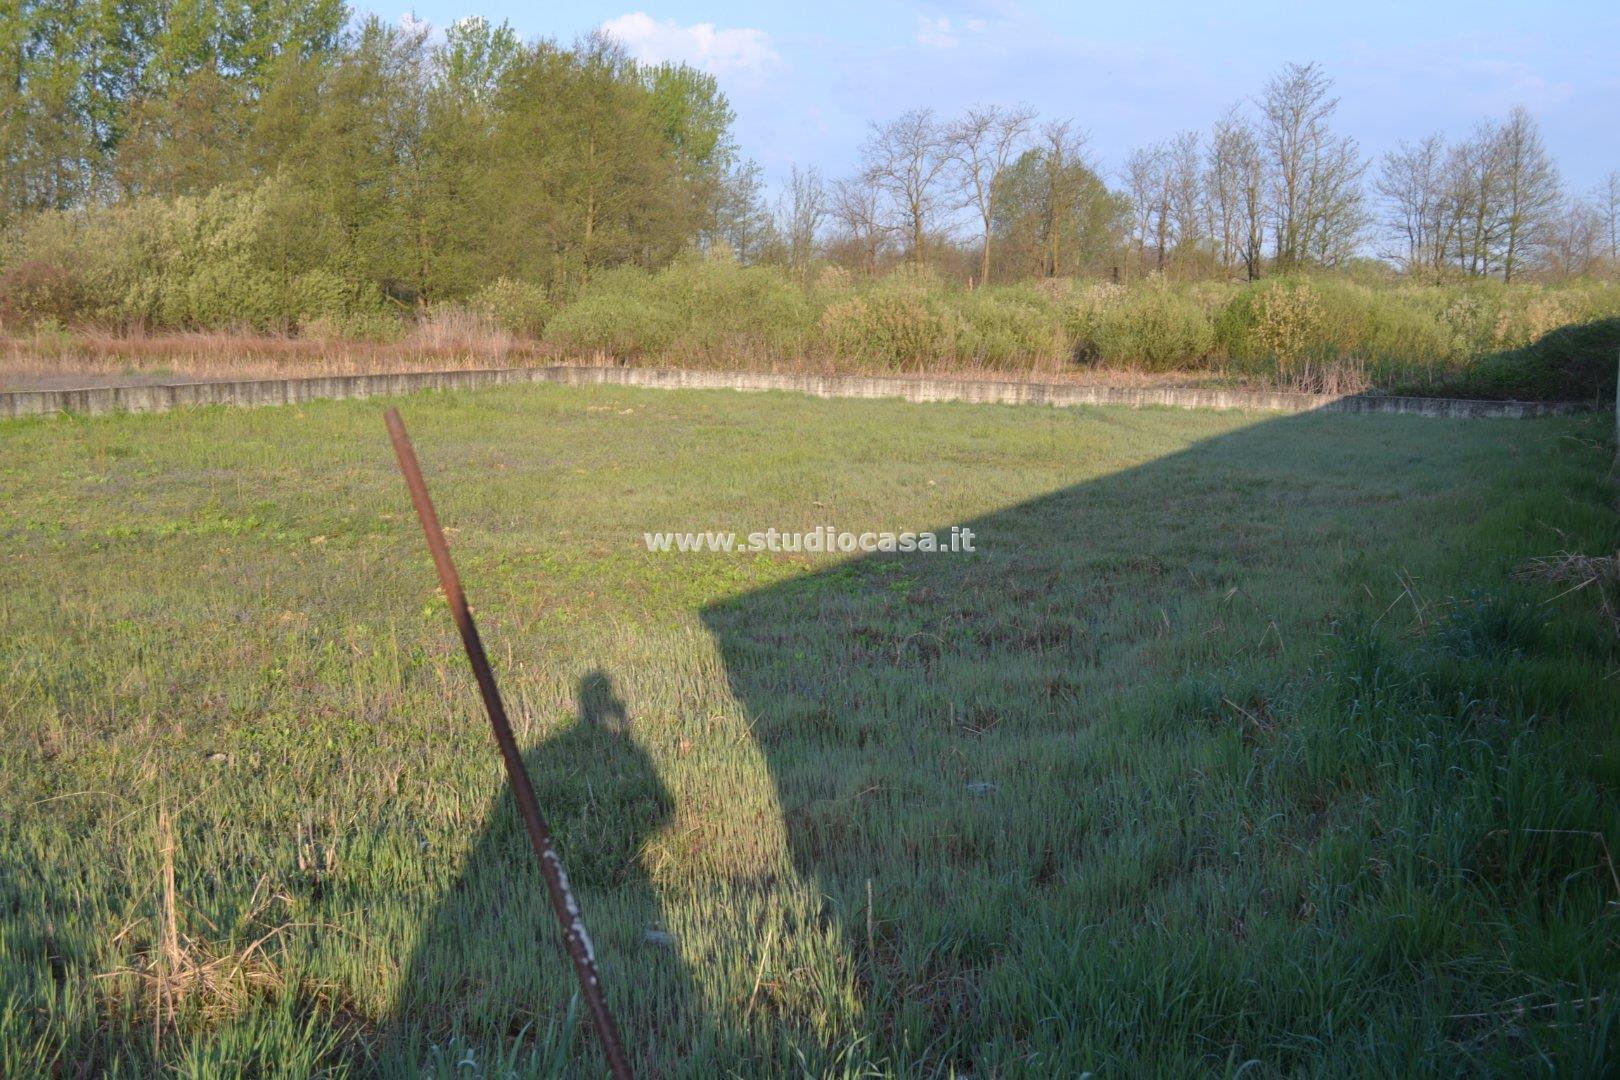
(1398, 334)
(517, 307)
(615, 315)
(213, 262)
(1573, 363)
(1314, 333)
(1150, 326)
(1008, 326)
(698, 311)
(63, 269)
(904, 322)
(727, 312)
(713, 312)
(36, 293)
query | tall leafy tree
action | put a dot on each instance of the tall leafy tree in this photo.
(1054, 215)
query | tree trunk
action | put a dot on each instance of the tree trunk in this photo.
(984, 256)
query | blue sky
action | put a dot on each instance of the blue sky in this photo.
(805, 79)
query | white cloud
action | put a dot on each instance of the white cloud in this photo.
(936, 33)
(941, 33)
(409, 23)
(719, 52)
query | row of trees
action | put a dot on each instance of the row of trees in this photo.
(90, 93)
(1035, 203)
(423, 165)
(1271, 185)
(1493, 204)
(427, 168)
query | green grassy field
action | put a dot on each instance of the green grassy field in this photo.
(1236, 748)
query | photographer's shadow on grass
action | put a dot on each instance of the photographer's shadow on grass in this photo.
(488, 981)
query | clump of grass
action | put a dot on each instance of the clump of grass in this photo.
(449, 330)
(1573, 572)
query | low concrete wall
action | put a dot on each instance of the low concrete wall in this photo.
(160, 397)
(1013, 392)
(163, 396)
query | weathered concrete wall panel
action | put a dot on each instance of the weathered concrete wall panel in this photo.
(159, 397)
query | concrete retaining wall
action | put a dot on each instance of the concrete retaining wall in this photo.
(160, 397)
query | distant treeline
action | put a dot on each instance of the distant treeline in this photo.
(1271, 187)
(285, 168)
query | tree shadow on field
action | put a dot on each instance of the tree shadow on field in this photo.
(930, 719)
(488, 974)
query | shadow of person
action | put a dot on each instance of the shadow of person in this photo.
(488, 981)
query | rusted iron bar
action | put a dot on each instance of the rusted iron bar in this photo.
(576, 938)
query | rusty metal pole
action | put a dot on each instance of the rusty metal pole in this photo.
(575, 937)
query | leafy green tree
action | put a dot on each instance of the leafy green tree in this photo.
(78, 78)
(371, 155)
(46, 150)
(1054, 216)
(591, 177)
(186, 142)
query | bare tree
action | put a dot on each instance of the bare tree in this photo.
(1064, 171)
(1608, 202)
(1252, 190)
(800, 211)
(1145, 186)
(1473, 196)
(907, 159)
(1232, 156)
(1502, 200)
(1575, 240)
(1166, 186)
(856, 205)
(1412, 182)
(1184, 194)
(1315, 175)
(743, 218)
(1532, 192)
(1235, 188)
(983, 143)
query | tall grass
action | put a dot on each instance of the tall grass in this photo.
(448, 338)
